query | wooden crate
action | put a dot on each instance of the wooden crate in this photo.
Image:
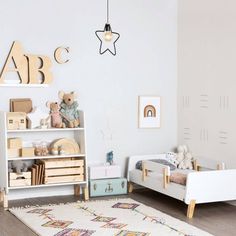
(62, 162)
(63, 170)
(23, 179)
(64, 179)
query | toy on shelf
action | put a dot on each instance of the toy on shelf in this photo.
(45, 123)
(41, 148)
(69, 109)
(16, 120)
(64, 146)
(56, 116)
(36, 118)
(18, 166)
(110, 157)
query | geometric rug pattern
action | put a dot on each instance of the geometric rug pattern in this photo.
(116, 217)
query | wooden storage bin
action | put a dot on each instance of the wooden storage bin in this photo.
(27, 152)
(14, 143)
(63, 170)
(23, 179)
(13, 153)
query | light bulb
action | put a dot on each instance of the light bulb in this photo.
(108, 36)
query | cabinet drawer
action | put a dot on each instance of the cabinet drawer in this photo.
(106, 187)
(103, 172)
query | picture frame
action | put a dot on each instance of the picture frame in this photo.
(149, 111)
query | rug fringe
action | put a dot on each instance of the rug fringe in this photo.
(67, 203)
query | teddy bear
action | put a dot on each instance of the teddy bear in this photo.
(17, 166)
(56, 117)
(184, 158)
(69, 109)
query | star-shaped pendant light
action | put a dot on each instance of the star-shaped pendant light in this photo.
(107, 37)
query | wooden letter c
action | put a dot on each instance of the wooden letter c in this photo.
(58, 52)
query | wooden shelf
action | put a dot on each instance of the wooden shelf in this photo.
(48, 185)
(25, 85)
(45, 157)
(44, 130)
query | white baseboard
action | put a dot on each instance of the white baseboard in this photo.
(40, 192)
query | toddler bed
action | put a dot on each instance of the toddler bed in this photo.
(208, 182)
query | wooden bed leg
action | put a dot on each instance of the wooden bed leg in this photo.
(77, 190)
(165, 178)
(196, 166)
(5, 200)
(86, 193)
(144, 172)
(191, 208)
(1, 196)
(130, 187)
(168, 179)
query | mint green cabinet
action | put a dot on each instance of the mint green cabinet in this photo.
(106, 187)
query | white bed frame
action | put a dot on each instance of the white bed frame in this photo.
(212, 185)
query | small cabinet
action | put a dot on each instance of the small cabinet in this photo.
(104, 172)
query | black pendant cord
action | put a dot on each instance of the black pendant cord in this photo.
(107, 11)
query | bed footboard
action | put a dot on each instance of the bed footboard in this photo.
(210, 186)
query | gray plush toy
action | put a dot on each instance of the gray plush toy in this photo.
(17, 166)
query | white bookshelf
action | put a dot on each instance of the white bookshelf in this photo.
(44, 157)
(44, 130)
(29, 135)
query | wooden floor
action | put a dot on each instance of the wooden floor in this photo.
(218, 219)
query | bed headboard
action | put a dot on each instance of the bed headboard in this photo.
(134, 159)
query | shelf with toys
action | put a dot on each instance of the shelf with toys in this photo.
(45, 130)
(40, 150)
(45, 157)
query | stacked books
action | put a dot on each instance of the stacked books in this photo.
(37, 172)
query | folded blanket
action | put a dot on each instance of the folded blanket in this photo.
(178, 178)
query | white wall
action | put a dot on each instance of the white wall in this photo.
(206, 78)
(108, 86)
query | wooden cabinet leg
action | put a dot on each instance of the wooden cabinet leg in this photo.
(86, 193)
(1, 196)
(191, 208)
(130, 187)
(77, 190)
(5, 200)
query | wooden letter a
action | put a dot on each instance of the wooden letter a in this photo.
(16, 56)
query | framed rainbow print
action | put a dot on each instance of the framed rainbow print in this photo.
(149, 112)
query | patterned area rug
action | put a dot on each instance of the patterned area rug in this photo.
(119, 217)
